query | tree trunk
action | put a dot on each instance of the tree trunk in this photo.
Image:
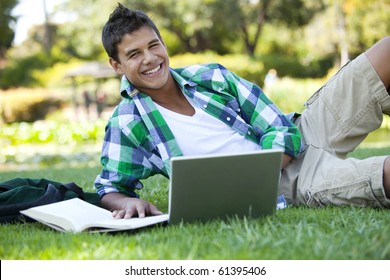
(340, 29)
(250, 46)
(47, 40)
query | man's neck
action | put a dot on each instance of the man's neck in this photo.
(174, 100)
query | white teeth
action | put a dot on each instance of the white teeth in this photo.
(152, 71)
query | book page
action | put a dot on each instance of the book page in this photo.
(126, 224)
(77, 215)
(71, 215)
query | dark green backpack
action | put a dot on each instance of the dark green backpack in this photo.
(23, 193)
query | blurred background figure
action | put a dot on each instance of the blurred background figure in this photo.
(100, 102)
(87, 102)
(270, 79)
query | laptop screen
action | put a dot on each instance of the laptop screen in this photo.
(221, 186)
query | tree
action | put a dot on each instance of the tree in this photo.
(292, 13)
(347, 28)
(83, 32)
(222, 26)
(366, 23)
(47, 38)
(6, 25)
(200, 25)
(217, 24)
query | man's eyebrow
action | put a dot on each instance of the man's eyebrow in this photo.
(154, 41)
(129, 52)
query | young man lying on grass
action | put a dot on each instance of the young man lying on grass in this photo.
(206, 109)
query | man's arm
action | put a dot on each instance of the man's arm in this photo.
(276, 130)
(286, 160)
(124, 163)
(127, 207)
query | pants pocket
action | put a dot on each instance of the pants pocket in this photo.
(325, 179)
(353, 194)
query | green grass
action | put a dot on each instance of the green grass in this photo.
(296, 233)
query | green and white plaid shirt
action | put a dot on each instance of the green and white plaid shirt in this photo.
(138, 142)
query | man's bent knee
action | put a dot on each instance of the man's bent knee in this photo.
(379, 57)
(386, 177)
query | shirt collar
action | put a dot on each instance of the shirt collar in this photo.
(128, 90)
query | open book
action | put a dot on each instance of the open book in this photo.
(76, 215)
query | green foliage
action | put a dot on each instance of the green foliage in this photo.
(294, 66)
(254, 69)
(6, 21)
(294, 13)
(27, 107)
(299, 38)
(247, 67)
(200, 25)
(349, 25)
(83, 34)
(366, 23)
(50, 143)
(52, 132)
(19, 71)
(290, 95)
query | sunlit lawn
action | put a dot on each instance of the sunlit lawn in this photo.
(68, 152)
(294, 233)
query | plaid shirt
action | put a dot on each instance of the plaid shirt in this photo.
(138, 142)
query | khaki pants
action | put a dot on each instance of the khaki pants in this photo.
(336, 120)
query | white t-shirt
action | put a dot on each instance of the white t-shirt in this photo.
(202, 134)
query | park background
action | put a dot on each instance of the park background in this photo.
(57, 91)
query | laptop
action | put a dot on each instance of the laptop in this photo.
(204, 188)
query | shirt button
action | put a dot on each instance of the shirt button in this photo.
(249, 133)
(205, 106)
(228, 118)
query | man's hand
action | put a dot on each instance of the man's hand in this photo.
(124, 207)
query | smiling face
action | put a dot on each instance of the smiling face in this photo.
(144, 60)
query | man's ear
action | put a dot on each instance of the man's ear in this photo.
(116, 66)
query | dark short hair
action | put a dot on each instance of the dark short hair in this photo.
(123, 21)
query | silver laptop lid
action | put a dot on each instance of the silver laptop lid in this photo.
(220, 186)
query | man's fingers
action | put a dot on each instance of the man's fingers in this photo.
(154, 211)
(147, 209)
(140, 209)
(122, 214)
(118, 214)
(129, 214)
